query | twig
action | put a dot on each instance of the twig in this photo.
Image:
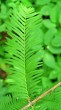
(30, 103)
(41, 96)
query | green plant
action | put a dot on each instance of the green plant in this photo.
(30, 56)
(23, 53)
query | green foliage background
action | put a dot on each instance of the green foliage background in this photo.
(44, 27)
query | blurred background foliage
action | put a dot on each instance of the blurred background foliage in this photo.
(50, 29)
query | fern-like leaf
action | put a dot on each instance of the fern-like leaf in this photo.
(24, 53)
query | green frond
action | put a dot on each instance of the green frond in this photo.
(50, 102)
(30, 54)
(7, 103)
(24, 53)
